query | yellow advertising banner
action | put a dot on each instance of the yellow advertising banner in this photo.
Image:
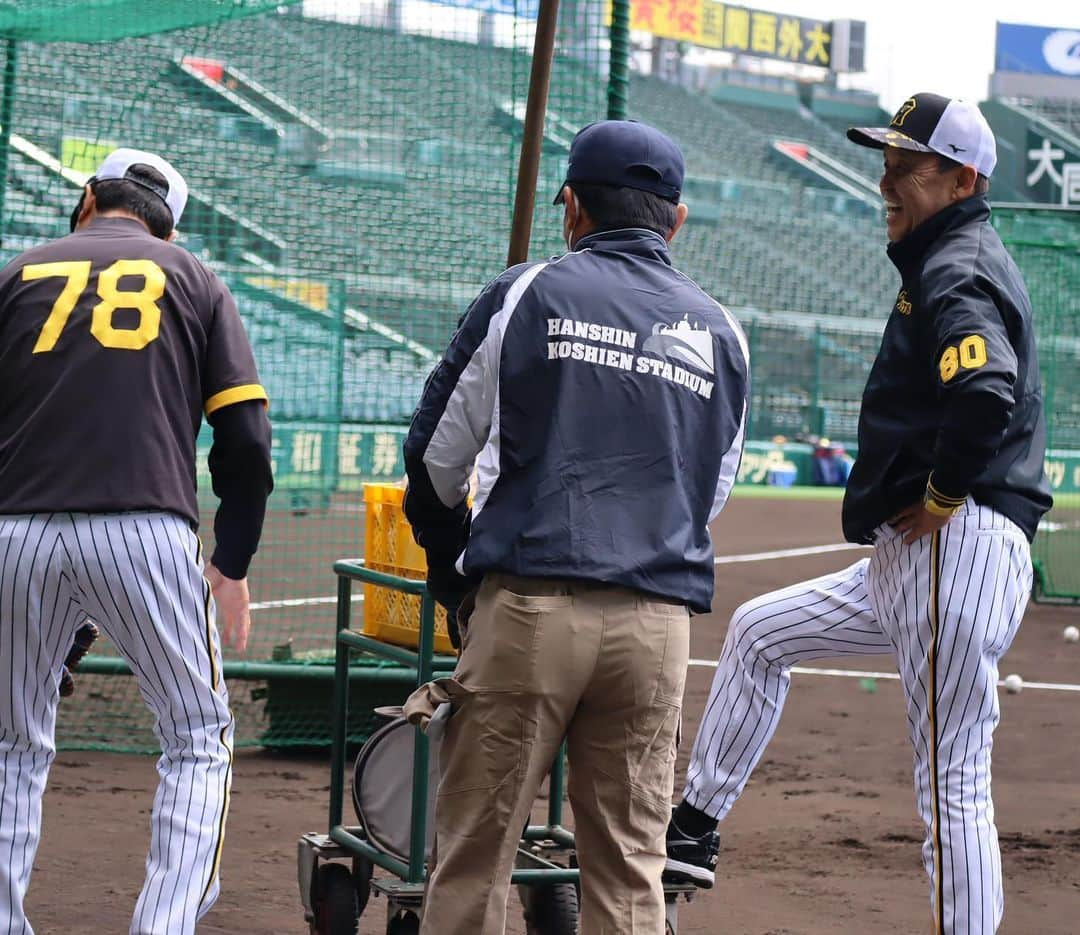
(84, 155)
(305, 291)
(736, 29)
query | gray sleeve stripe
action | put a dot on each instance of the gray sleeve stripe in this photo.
(729, 465)
(740, 336)
(729, 468)
(470, 420)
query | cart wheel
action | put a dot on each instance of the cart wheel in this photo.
(336, 911)
(404, 923)
(551, 909)
(362, 869)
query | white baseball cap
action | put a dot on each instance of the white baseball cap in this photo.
(930, 123)
(119, 162)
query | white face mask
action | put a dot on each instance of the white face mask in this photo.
(568, 234)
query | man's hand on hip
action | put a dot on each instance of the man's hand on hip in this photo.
(916, 521)
(231, 597)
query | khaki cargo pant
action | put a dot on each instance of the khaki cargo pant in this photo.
(545, 659)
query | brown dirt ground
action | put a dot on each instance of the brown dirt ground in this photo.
(824, 840)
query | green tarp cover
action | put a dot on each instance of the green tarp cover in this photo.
(107, 20)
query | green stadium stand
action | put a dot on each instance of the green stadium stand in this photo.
(1063, 113)
(409, 153)
(418, 141)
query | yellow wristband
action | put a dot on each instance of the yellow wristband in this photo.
(938, 509)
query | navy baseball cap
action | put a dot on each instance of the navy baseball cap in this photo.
(626, 154)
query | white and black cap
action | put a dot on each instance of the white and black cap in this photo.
(930, 123)
(118, 165)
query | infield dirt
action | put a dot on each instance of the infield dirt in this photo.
(825, 839)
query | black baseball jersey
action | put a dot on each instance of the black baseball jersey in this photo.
(113, 344)
(953, 405)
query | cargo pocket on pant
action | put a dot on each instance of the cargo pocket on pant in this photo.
(482, 760)
(655, 750)
(653, 781)
(656, 734)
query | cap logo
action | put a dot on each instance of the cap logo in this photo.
(956, 149)
(902, 114)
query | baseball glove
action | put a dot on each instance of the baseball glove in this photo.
(84, 639)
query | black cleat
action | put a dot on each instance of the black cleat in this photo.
(691, 860)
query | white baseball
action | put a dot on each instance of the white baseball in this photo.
(1071, 634)
(1014, 684)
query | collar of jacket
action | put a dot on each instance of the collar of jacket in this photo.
(114, 221)
(908, 251)
(636, 240)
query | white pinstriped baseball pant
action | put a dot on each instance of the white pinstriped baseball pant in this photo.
(947, 608)
(139, 577)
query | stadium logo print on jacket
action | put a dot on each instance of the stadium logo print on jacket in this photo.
(687, 341)
(684, 342)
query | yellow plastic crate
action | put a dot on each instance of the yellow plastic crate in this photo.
(389, 547)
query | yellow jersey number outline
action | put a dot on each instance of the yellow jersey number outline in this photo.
(77, 274)
(970, 354)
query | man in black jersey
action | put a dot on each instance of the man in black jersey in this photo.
(113, 345)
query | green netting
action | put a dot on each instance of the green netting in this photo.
(1046, 246)
(808, 373)
(107, 20)
(759, 234)
(352, 170)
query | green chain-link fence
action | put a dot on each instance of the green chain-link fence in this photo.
(352, 169)
(1045, 243)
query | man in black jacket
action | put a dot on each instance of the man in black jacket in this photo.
(605, 395)
(949, 487)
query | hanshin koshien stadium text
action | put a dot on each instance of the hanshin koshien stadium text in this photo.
(621, 360)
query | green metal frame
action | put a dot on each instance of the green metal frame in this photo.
(423, 662)
(7, 110)
(239, 670)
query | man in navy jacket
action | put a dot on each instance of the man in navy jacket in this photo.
(605, 395)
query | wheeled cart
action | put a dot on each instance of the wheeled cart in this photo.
(336, 869)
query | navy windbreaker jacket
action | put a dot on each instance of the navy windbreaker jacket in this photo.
(606, 397)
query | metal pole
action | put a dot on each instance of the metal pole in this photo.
(403, 676)
(419, 816)
(337, 304)
(818, 428)
(618, 61)
(341, 703)
(7, 110)
(533, 132)
(751, 409)
(555, 787)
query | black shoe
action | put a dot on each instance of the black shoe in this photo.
(691, 860)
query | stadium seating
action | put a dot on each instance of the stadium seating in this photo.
(1063, 113)
(768, 255)
(414, 187)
